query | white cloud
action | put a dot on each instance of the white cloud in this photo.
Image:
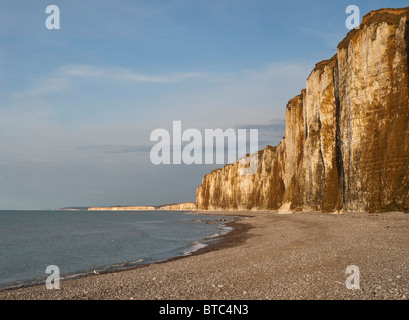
(246, 97)
(63, 78)
(47, 86)
(128, 75)
(222, 99)
(82, 71)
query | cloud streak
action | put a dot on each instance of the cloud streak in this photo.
(127, 75)
(46, 87)
(65, 76)
(116, 149)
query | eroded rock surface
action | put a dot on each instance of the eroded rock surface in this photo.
(346, 144)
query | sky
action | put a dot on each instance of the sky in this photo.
(78, 104)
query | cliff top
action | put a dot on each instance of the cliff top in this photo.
(387, 15)
(260, 152)
(322, 64)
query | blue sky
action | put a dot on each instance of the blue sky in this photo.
(77, 105)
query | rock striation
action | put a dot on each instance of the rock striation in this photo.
(346, 144)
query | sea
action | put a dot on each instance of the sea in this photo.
(84, 242)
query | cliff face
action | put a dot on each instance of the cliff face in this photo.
(125, 208)
(226, 189)
(184, 206)
(346, 144)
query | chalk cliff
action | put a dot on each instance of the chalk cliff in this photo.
(184, 206)
(346, 144)
(124, 208)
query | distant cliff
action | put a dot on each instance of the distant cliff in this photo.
(346, 144)
(179, 206)
(185, 206)
(123, 208)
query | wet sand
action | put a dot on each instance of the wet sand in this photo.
(267, 256)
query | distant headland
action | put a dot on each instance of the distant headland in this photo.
(184, 206)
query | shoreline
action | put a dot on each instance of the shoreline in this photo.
(235, 237)
(267, 256)
(229, 239)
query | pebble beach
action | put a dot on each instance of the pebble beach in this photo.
(267, 256)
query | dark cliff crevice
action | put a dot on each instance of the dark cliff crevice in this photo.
(407, 46)
(338, 141)
(324, 173)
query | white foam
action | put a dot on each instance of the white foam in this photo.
(195, 247)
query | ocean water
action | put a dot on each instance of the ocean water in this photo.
(79, 242)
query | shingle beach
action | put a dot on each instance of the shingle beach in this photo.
(267, 256)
